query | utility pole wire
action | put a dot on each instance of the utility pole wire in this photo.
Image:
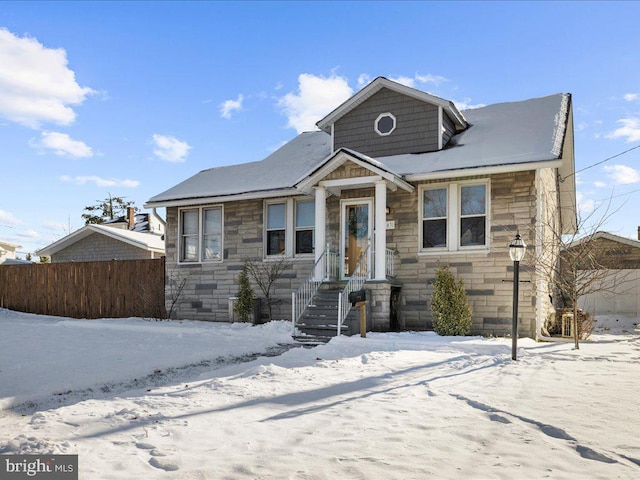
(600, 162)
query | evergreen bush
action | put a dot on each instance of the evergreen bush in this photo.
(246, 297)
(449, 304)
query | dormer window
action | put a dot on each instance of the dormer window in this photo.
(385, 124)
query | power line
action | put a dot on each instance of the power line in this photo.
(600, 162)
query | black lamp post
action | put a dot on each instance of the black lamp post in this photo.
(517, 249)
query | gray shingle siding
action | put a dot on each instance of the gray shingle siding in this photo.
(98, 247)
(416, 126)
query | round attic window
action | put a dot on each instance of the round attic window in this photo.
(385, 124)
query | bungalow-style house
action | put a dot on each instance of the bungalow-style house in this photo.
(134, 237)
(395, 183)
(611, 264)
(8, 254)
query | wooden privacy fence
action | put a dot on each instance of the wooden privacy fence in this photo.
(114, 289)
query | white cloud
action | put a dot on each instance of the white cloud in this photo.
(100, 182)
(630, 130)
(230, 106)
(418, 78)
(54, 226)
(408, 81)
(428, 78)
(170, 149)
(63, 145)
(466, 104)
(622, 174)
(7, 218)
(36, 85)
(28, 234)
(583, 204)
(316, 96)
(599, 184)
(364, 79)
(632, 97)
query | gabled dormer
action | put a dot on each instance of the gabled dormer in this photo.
(388, 118)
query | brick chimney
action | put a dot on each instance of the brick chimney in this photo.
(131, 217)
(638, 233)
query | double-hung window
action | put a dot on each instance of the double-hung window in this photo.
(276, 228)
(305, 222)
(473, 215)
(289, 227)
(189, 242)
(434, 218)
(454, 217)
(201, 234)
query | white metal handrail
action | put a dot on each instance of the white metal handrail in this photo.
(360, 275)
(390, 263)
(325, 268)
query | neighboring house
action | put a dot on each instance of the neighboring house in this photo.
(8, 254)
(119, 240)
(617, 282)
(401, 177)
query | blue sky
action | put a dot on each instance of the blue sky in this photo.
(130, 98)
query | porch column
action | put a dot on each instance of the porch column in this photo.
(320, 240)
(380, 240)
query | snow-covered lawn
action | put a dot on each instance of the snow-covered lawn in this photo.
(187, 400)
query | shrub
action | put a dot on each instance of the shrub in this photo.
(246, 298)
(451, 310)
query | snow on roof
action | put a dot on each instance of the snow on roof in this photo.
(146, 241)
(632, 242)
(280, 170)
(499, 135)
(9, 245)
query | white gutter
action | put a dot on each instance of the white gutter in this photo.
(223, 198)
(472, 172)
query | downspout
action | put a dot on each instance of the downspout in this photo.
(158, 217)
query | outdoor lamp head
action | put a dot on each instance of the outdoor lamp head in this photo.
(517, 248)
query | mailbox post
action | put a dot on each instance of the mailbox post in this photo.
(359, 299)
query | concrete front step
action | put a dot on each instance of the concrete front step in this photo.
(327, 330)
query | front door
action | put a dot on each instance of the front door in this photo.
(356, 226)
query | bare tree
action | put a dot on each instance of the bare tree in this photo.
(265, 274)
(175, 282)
(577, 264)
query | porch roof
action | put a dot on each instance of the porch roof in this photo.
(504, 136)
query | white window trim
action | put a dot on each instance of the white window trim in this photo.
(453, 221)
(289, 228)
(386, 114)
(296, 228)
(200, 259)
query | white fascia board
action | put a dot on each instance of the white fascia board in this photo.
(330, 164)
(606, 235)
(380, 83)
(186, 202)
(64, 242)
(471, 172)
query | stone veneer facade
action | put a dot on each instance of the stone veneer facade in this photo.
(487, 274)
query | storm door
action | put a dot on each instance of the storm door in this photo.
(356, 226)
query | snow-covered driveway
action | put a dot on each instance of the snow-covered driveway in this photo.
(391, 406)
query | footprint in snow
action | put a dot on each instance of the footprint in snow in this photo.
(163, 464)
(145, 446)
